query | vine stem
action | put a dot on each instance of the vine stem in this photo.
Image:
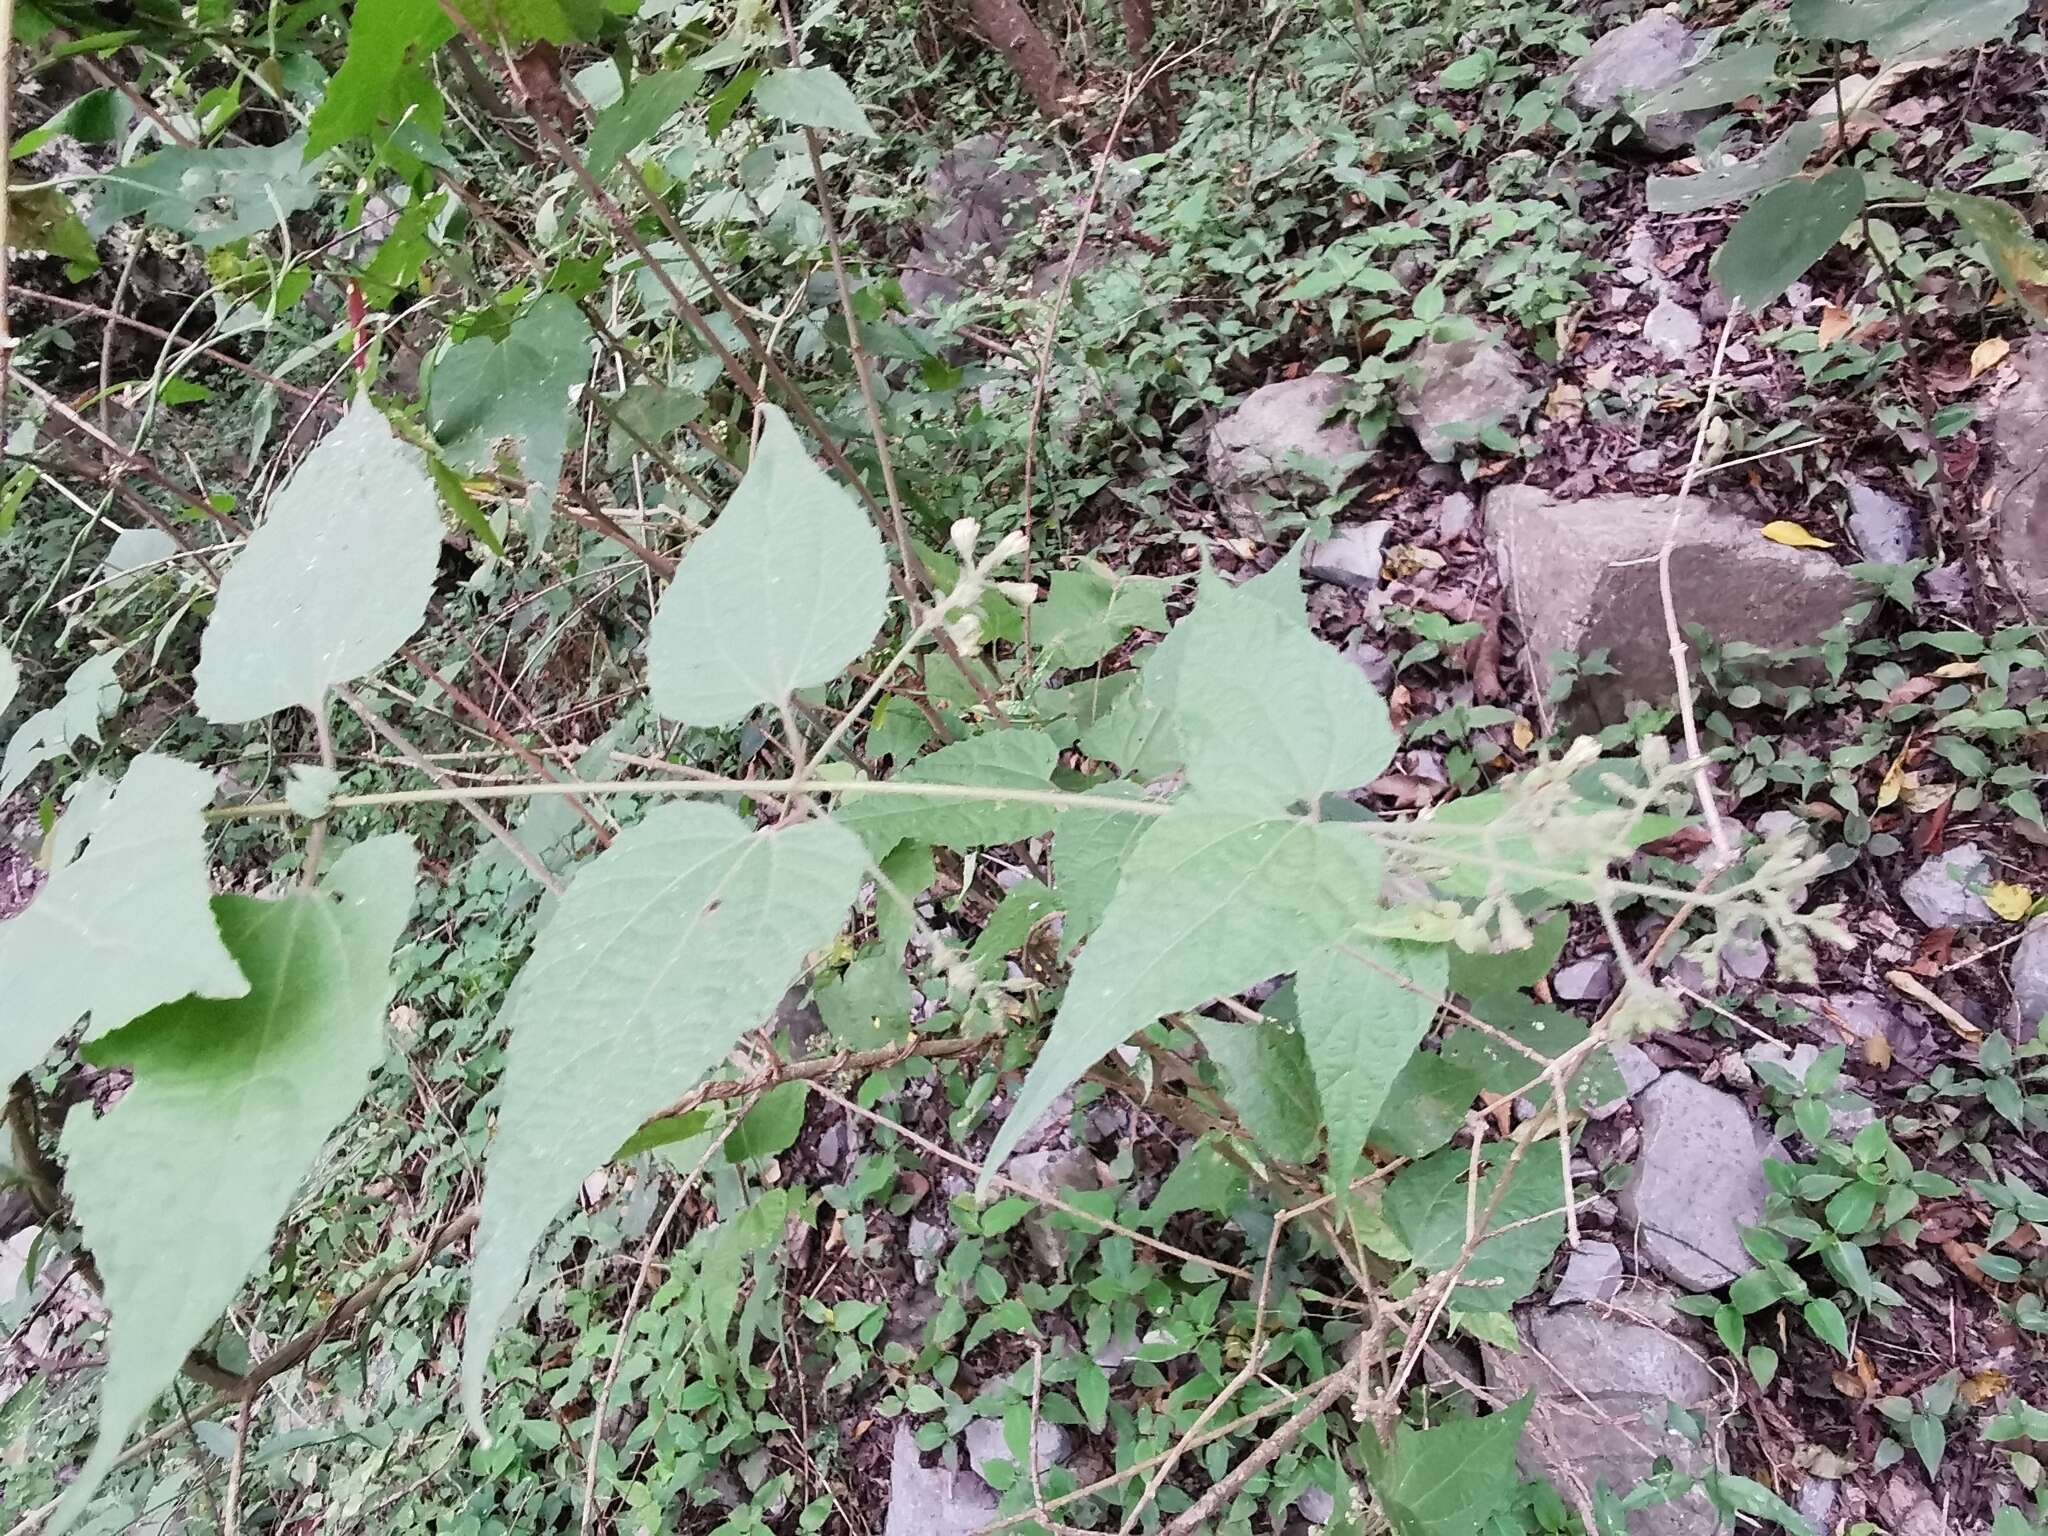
(231, 1517)
(316, 840)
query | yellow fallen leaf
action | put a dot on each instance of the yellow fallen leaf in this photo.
(2009, 901)
(1924, 799)
(1524, 736)
(1791, 533)
(1896, 779)
(1834, 325)
(1988, 354)
(1954, 669)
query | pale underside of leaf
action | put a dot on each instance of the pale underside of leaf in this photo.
(335, 580)
(1213, 902)
(121, 927)
(181, 1185)
(670, 945)
(1365, 1006)
(90, 694)
(785, 590)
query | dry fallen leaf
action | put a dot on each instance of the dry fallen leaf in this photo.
(1522, 734)
(1834, 325)
(1988, 354)
(1895, 779)
(1782, 532)
(1950, 670)
(1923, 798)
(1567, 402)
(2009, 901)
(1984, 1386)
(1877, 1052)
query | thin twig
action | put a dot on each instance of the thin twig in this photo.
(231, 1515)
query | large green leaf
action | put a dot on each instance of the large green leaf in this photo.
(211, 196)
(1783, 233)
(90, 695)
(1723, 76)
(1361, 1025)
(1451, 1480)
(507, 399)
(671, 944)
(528, 21)
(1723, 180)
(2016, 258)
(42, 219)
(124, 923)
(335, 580)
(1427, 1205)
(1089, 851)
(994, 760)
(379, 75)
(180, 1186)
(1907, 29)
(1266, 714)
(1499, 1068)
(1214, 901)
(1089, 610)
(636, 117)
(1266, 1077)
(812, 98)
(1485, 974)
(787, 587)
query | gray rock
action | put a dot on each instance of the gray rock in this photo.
(1943, 892)
(1280, 442)
(1883, 527)
(980, 203)
(1604, 1375)
(2029, 980)
(2019, 479)
(927, 1244)
(1634, 61)
(1864, 1014)
(1795, 1059)
(930, 1501)
(1698, 1182)
(1373, 661)
(1584, 981)
(1779, 824)
(1569, 580)
(1745, 959)
(1456, 514)
(1349, 557)
(1645, 461)
(1456, 388)
(1816, 1502)
(1672, 330)
(1317, 1505)
(1592, 1273)
(1047, 1173)
(1050, 1445)
(1637, 1073)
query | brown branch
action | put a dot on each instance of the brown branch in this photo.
(1015, 33)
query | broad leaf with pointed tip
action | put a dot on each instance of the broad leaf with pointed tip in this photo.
(1265, 713)
(671, 944)
(1089, 610)
(381, 75)
(509, 397)
(181, 1185)
(1214, 901)
(211, 196)
(123, 925)
(335, 580)
(992, 761)
(1365, 1006)
(1451, 1480)
(787, 587)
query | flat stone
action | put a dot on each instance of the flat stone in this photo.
(1047, 1173)
(1943, 892)
(1699, 1180)
(1280, 443)
(2018, 490)
(1884, 527)
(1866, 1014)
(1455, 389)
(1672, 330)
(2029, 980)
(1567, 567)
(1816, 1501)
(931, 1501)
(1639, 60)
(1584, 981)
(927, 1244)
(985, 1445)
(1456, 514)
(1349, 557)
(1604, 1375)
(983, 193)
(1592, 1273)
(1637, 1071)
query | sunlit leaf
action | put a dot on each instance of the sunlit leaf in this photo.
(2016, 258)
(335, 579)
(669, 946)
(124, 923)
(787, 587)
(812, 98)
(379, 77)
(1782, 532)
(180, 1186)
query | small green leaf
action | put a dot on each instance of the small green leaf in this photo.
(2016, 258)
(97, 117)
(671, 944)
(811, 98)
(665, 1132)
(1090, 609)
(784, 590)
(211, 196)
(180, 1186)
(1266, 1077)
(1489, 975)
(380, 75)
(42, 219)
(993, 761)
(1213, 901)
(490, 396)
(772, 1125)
(1785, 232)
(1763, 1365)
(90, 695)
(335, 579)
(1930, 1441)
(124, 923)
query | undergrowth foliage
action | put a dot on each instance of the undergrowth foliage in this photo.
(1194, 811)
